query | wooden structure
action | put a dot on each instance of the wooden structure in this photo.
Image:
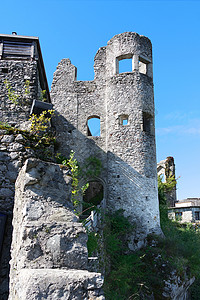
(18, 47)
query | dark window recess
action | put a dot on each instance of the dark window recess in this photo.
(92, 197)
(178, 216)
(4, 70)
(93, 126)
(197, 215)
(147, 123)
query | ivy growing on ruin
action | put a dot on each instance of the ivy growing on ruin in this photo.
(18, 98)
(91, 168)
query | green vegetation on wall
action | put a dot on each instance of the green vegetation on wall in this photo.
(89, 170)
(18, 98)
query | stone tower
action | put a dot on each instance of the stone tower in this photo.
(124, 105)
(20, 61)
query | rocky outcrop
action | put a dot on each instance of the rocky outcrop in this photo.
(176, 288)
(48, 241)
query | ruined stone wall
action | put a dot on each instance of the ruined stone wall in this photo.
(127, 151)
(166, 169)
(76, 101)
(49, 250)
(13, 153)
(14, 150)
(29, 253)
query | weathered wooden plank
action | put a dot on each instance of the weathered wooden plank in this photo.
(17, 43)
(16, 50)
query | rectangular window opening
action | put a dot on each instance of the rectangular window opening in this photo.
(125, 122)
(178, 216)
(125, 65)
(147, 123)
(4, 70)
(197, 215)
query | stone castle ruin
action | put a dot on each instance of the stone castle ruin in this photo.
(166, 169)
(49, 253)
(124, 105)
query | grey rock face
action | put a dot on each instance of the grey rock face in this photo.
(176, 288)
(51, 236)
(58, 284)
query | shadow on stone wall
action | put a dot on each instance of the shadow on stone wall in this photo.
(125, 188)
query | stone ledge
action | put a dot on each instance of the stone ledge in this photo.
(57, 284)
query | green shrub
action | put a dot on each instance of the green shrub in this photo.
(92, 243)
(136, 275)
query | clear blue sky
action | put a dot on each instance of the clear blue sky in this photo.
(77, 29)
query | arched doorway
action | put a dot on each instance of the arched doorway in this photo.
(93, 126)
(92, 198)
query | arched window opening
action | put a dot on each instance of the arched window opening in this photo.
(92, 197)
(93, 126)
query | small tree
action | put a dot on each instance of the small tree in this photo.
(39, 124)
(165, 187)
